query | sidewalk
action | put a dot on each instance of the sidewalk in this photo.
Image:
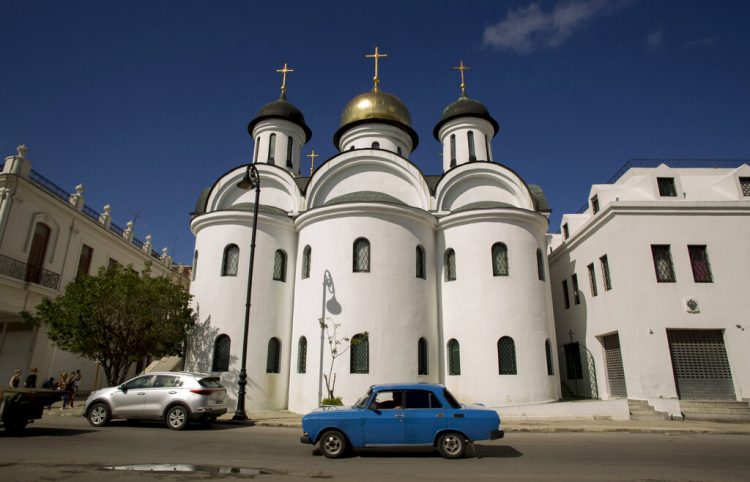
(287, 419)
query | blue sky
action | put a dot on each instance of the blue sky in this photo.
(147, 102)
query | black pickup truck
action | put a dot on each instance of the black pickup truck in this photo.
(19, 406)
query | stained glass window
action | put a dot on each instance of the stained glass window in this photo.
(361, 255)
(222, 347)
(663, 263)
(359, 354)
(449, 267)
(499, 259)
(302, 355)
(454, 357)
(699, 264)
(230, 260)
(306, 255)
(506, 356)
(279, 265)
(273, 361)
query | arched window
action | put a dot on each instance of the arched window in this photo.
(453, 150)
(506, 356)
(230, 260)
(359, 354)
(398, 150)
(257, 148)
(472, 151)
(279, 265)
(195, 264)
(499, 259)
(540, 264)
(306, 255)
(35, 263)
(548, 353)
(376, 145)
(302, 355)
(487, 147)
(271, 148)
(421, 265)
(273, 361)
(449, 264)
(222, 347)
(289, 145)
(422, 368)
(361, 256)
(454, 357)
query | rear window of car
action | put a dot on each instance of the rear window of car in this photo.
(421, 399)
(451, 399)
(210, 382)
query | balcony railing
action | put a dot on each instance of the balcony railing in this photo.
(19, 270)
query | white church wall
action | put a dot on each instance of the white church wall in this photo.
(389, 138)
(481, 181)
(389, 302)
(277, 188)
(283, 130)
(460, 128)
(479, 308)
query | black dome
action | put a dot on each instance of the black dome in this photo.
(465, 107)
(281, 109)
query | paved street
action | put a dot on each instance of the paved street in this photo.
(68, 448)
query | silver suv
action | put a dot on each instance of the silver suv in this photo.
(175, 397)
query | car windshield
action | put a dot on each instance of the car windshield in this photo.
(362, 402)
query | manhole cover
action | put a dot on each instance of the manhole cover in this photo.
(209, 469)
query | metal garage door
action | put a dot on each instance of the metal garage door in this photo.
(615, 370)
(700, 364)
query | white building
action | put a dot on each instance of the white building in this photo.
(438, 278)
(652, 279)
(47, 237)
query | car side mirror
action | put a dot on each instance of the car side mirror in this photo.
(123, 388)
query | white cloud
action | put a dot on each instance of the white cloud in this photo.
(527, 29)
(655, 40)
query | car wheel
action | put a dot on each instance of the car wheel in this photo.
(99, 414)
(451, 445)
(333, 444)
(177, 417)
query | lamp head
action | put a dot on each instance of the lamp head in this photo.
(250, 179)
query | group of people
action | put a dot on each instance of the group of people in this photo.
(67, 383)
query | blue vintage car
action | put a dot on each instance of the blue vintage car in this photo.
(401, 414)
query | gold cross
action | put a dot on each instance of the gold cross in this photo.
(376, 79)
(462, 68)
(283, 73)
(312, 157)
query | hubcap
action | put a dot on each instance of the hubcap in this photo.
(333, 444)
(97, 415)
(176, 418)
(451, 444)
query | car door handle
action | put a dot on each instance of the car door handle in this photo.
(399, 415)
(141, 393)
(172, 392)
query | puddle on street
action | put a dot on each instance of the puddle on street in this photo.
(206, 469)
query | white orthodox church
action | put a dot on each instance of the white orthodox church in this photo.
(438, 278)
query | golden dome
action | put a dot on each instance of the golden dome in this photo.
(376, 106)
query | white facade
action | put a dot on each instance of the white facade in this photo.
(699, 213)
(38, 262)
(371, 191)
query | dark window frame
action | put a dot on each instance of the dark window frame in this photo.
(592, 279)
(449, 265)
(273, 357)
(663, 264)
(454, 357)
(667, 186)
(226, 268)
(279, 265)
(361, 263)
(500, 261)
(222, 353)
(507, 363)
(698, 253)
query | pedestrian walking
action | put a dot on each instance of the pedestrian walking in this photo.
(15, 380)
(69, 388)
(62, 381)
(31, 379)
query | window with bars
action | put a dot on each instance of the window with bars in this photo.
(540, 264)
(595, 204)
(592, 279)
(699, 263)
(359, 354)
(499, 259)
(506, 356)
(666, 187)
(361, 256)
(604, 262)
(566, 231)
(271, 148)
(273, 361)
(454, 357)
(663, 263)
(302, 355)
(576, 292)
(566, 297)
(449, 265)
(421, 265)
(84, 261)
(222, 347)
(422, 368)
(745, 186)
(472, 151)
(279, 265)
(306, 259)
(548, 354)
(195, 265)
(289, 146)
(453, 149)
(230, 260)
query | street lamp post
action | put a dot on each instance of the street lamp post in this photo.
(251, 180)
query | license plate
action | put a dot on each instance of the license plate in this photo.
(212, 402)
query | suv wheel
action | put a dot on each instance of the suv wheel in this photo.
(99, 414)
(177, 417)
(333, 444)
(451, 445)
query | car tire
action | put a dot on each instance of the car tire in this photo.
(451, 445)
(334, 444)
(177, 417)
(99, 414)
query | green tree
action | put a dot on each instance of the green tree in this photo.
(118, 317)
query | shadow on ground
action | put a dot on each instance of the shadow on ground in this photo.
(32, 431)
(474, 451)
